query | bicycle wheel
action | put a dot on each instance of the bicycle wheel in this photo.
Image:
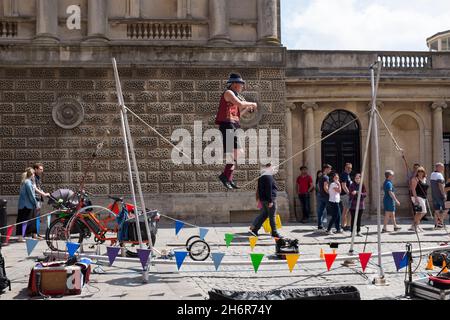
(199, 250)
(76, 231)
(190, 241)
(55, 235)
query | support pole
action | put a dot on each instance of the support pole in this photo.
(127, 154)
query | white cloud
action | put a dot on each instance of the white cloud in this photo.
(362, 24)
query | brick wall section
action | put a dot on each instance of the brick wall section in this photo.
(167, 98)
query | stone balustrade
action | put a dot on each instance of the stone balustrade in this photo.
(8, 29)
(406, 61)
(161, 31)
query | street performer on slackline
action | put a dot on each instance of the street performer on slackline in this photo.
(232, 106)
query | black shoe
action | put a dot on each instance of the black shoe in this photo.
(276, 235)
(233, 185)
(225, 182)
(253, 232)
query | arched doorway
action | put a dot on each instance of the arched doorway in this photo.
(343, 146)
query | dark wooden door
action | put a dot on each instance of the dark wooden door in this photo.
(340, 149)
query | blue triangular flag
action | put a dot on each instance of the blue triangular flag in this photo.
(31, 244)
(38, 225)
(400, 259)
(112, 253)
(203, 233)
(143, 256)
(49, 218)
(179, 256)
(178, 226)
(217, 258)
(24, 229)
(72, 247)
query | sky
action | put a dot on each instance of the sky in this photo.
(399, 25)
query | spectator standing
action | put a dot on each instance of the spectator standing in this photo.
(323, 196)
(333, 204)
(304, 187)
(354, 189)
(346, 182)
(40, 194)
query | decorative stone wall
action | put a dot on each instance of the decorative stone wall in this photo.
(166, 98)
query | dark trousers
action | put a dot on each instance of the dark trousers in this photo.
(358, 222)
(23, 215)
(335, 211)
(321, 207)
(305, 201)
(266, 212)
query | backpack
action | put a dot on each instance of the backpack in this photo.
(4, 281)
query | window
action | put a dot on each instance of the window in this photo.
(338, 119)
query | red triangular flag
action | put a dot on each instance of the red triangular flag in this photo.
(329, 259)
(9, 233)
(364, 259)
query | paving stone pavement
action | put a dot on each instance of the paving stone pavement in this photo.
(124, 279)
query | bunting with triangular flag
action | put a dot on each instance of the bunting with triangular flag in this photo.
(203, 233)
(179, 257)
(72, 247)
(364, 259)
(322, 254)
(178, 226)
(291, 260)
(9, 233)
(329, 259)
(143, 256)
(256, 260)
(24, 229)
(217, 258)
(253, 241)
(31, 244)
(112, 253)
(400, 259)
(228, 238)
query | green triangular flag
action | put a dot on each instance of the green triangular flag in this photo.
(256, 260)
(228, 238)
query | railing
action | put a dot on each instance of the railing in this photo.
(165, 31)
(406, 61)
(8, 29)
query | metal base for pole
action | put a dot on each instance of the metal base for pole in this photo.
(380, 281)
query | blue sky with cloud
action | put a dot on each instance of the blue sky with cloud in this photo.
(362, 24)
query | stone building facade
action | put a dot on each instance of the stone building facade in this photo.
(174, 57)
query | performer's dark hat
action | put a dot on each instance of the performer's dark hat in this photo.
(235, 78)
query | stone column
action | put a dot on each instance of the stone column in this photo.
(289, 165)
(268, 22)
(438, 137)
(218, 21)
(310, 154)
(47, 21)
(97, 21)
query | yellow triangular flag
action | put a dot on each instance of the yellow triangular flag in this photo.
(430, 265)
(278, 221)
(292, 260)
(322, 255)
(253, 241)
(266, 226)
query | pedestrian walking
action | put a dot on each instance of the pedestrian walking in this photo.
(27, 202)
(267, 194)
(419, 191)
(304, 188)
(354, 190)
(437, 183)
(333, 204)
(389, 201)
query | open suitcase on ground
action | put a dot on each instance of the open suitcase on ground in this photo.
(57, 278)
